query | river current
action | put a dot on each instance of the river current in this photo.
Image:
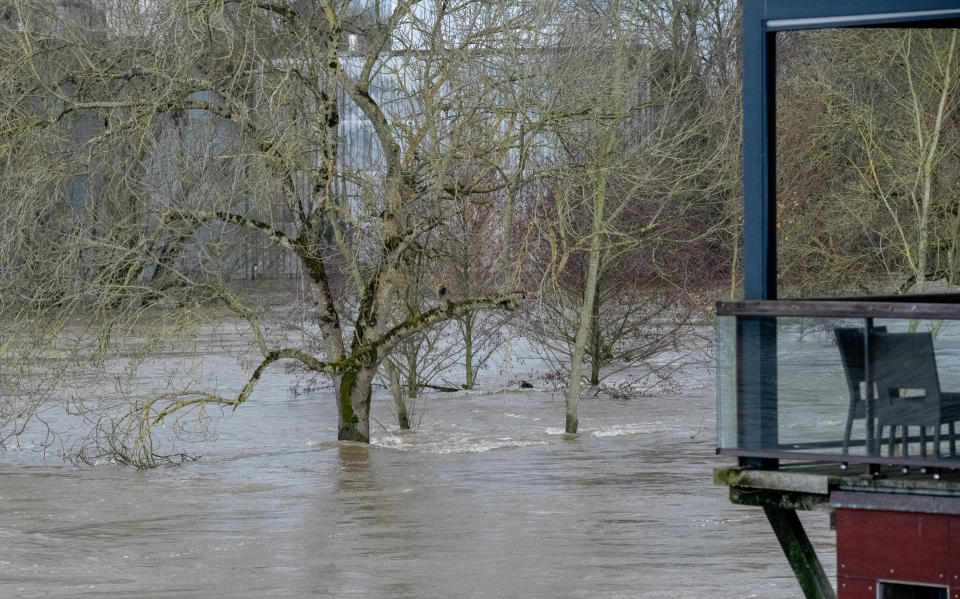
(487, 498)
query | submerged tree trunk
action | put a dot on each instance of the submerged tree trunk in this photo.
(467, 327)
(586, 310)
(353, 404)
(399, 397)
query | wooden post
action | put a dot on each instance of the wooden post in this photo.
(803, 559)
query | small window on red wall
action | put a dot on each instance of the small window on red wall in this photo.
(899, 590)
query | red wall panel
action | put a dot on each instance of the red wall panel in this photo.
(856, 588)
(881, 545)
(953, 562)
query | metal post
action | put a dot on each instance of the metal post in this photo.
(873, 442)
(759, 156)
(756, 337)
(758, 427)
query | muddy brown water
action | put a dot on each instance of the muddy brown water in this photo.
(487, 499)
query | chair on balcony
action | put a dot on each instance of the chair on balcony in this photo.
(908, 391)
(850, 343)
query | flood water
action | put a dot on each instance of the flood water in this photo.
(487, 499)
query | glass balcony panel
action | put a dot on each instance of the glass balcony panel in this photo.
(784, 389)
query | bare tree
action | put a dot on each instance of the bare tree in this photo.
(867, 178)
(901, 166)
(207, 122)
(633, 178)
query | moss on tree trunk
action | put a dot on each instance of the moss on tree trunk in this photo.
(353, 403)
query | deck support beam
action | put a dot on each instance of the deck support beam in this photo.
(796, 492)
(800, 553)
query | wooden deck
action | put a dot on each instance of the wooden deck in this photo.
(820, 486)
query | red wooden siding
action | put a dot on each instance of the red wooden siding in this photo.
(877, 545)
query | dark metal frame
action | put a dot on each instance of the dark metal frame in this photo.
(879, 461)
(938, 307)
(762, 19)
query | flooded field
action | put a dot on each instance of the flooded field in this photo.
(487, 499)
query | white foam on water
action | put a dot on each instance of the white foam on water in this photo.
(630, 429)
(483, 445)
(392, 441)
(452, 444)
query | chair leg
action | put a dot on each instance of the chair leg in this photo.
(847, 429)
(953, 440)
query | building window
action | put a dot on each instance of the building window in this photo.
(900, 590)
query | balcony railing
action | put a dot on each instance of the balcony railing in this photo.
(865, 380)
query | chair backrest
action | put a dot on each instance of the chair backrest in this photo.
(905, 361)
(850, 344)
